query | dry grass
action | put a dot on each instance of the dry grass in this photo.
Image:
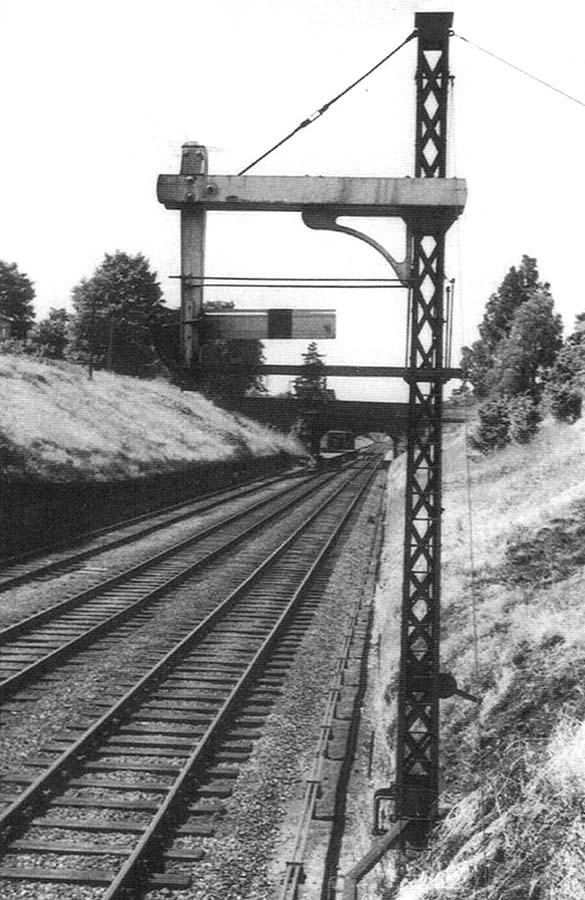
(514, 769)
(59, 425)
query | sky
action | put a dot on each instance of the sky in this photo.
(99, 98)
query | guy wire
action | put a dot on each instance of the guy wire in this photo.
(473, 579)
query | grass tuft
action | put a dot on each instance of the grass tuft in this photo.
(513, 769)
(58, 425)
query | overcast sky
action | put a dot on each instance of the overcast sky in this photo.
(99, 97)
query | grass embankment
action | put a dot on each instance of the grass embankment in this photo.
(513, 633)
(57, 425)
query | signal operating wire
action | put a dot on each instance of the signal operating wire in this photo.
(518, 69)
(307, 287)
(279, 278)
(323, 109)
(470, 521)
(276, 282)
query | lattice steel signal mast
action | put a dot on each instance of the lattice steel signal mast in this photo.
(417, 761)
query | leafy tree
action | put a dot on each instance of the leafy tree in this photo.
(476, 362)
(50, 336)
(518, 286)
(566, 381)
(114, 310)
(530, 348)
(312, 384)
(520, 338)
(16, 295)
(166, 338)
(245, 355)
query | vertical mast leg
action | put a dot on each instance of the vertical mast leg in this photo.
(417, 764)
(193, 163)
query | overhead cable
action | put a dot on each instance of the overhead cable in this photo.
(308, 287)
(518, 69)
(300, 279)
(323, 109)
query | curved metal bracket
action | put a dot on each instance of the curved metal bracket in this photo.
(325, 220)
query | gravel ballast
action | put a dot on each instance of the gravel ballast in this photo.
(246, 857)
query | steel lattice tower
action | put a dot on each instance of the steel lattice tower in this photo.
(417, 766)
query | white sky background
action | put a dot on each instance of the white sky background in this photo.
(99, 97)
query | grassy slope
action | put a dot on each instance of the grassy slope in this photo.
(513, 768)
(59, 425)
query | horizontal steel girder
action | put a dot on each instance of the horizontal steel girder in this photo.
(357, 415)
(407, 198)
(347, 371)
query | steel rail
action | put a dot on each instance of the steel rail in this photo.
(49, 782)
(132, 870)
(11, 684)
(217, 497)
(115, 580)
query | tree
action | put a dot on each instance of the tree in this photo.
(166, 338)
(312, 383)
(530, 348)
(566, 379)
(245, 355)
(114, 312)
(16, 295)
(50, 336)
(476, 362)
(520, 338)
(517, 288)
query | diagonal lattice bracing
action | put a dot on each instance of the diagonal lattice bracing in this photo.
(417, 783)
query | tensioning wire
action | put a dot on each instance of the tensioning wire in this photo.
(519, 69)
(469, 504)
(323, 109)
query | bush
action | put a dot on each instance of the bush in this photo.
(525, 417)
(14, 347)
(493, 431)
(565, 401)
(506, 419)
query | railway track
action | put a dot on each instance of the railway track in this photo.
(53, 560)
(41, 642)
(126, 797)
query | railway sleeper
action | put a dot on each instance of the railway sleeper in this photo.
(206, 807)
(136, 766)
(186, 717)
(154, 768)
(240, 756)
(110, 784)
(82, 848)
(183, 696)
(91, 824)
(221, 789)
(105, 803)
(148, 740)
(86, 849)
(169, 880)
(131, 750)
